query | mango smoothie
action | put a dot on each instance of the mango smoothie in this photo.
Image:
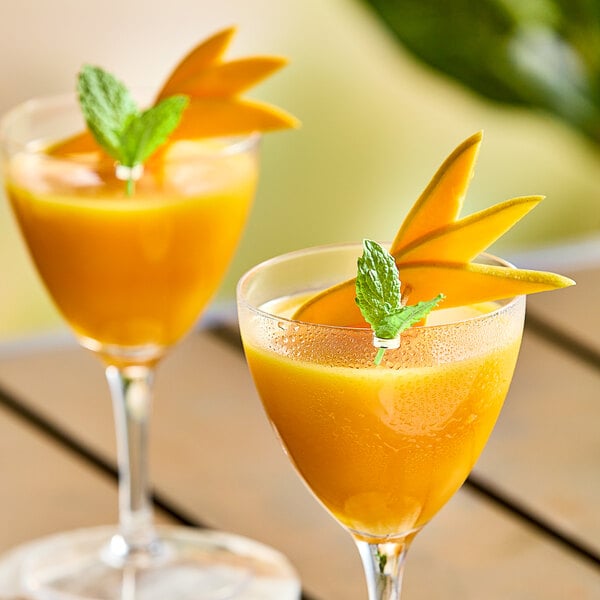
(383, 448)
(133, 271)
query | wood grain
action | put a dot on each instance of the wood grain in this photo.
(215, 458)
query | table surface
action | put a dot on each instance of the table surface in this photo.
(525, 526)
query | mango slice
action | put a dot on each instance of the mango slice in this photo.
(333, 306)
(460, 280)
(228, 79)
(422, 281)
(207, 117)
(433, 250)
(215, 87)
(82, 143)
(463, 240)
(203, 56)
(441, 201)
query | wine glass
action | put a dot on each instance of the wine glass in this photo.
(382, 447)
(131, 275)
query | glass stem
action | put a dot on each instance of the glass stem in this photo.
(384, 566)
(131, 391)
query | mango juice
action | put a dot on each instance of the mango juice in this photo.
(132, 271)
(383, 448)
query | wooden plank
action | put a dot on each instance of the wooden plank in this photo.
(214, 456)
(573, 310)
(472, 551)
(46, 489)
(545, 447)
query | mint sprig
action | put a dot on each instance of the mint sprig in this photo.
(127, 134)
(379, 299)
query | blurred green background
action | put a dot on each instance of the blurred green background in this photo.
(377, 85)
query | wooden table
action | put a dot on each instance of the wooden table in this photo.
(526, 526)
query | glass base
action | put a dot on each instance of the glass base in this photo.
(191, 565)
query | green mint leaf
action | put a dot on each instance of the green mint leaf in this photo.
(379, 299)
(107, 107)
(377, 283)
(125, 133)
(151, 128)
(394, 323)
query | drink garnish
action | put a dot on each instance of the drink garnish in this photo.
(380, 301)
(216, 88)
(125, 132)
(435, 250)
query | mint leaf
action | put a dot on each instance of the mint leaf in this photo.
(398, 321)
(107, 108)
(145, 133)
(125, 133)
(377, 283)
(379, 299)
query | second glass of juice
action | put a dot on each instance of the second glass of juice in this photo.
(382, 447)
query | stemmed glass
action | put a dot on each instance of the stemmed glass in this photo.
(382, 447)
(131, 275)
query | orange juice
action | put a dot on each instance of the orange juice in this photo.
(133, 271)
(382, 447)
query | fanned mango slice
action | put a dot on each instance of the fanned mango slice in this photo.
(423, 280)
(82, 143)
(216, 107)
(215, 86)
(230, 78)
(433, 251)
(441, 201)
(464, 282)
(207, 117)
(465, 239)
(204, 55)
(333, 306)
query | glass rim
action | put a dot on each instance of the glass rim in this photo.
(507, 303)
(232, 144)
